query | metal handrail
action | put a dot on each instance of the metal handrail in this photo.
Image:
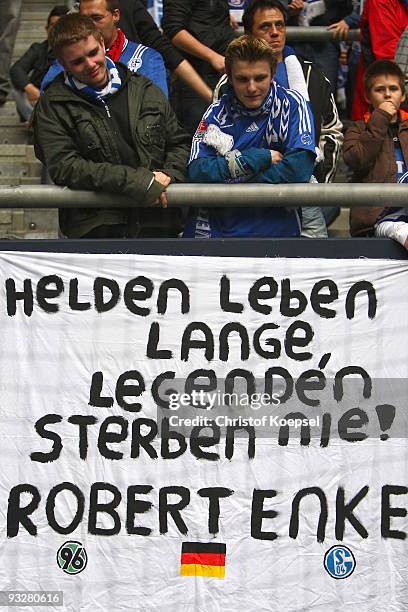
(313, 34)
(215, 195)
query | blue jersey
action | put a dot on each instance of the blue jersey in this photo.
(233, 144)
(396, 213)
(147, 61)
(136, 57)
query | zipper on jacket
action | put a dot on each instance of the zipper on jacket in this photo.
(106, 108)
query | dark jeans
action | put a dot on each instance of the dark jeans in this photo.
(9, 21)
(330, 214)
(325, 55)
(109, 231)
(150, 223)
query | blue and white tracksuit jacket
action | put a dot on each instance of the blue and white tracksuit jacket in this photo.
(233, 144)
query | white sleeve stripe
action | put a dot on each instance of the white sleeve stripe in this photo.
(306, 114)
(304, 118)
(304, 125)
(139, 52)
(330, 174)
(331, 140)
(301, 120)
(142, 49)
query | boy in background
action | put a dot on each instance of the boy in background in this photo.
(376, 148)
(27, 72)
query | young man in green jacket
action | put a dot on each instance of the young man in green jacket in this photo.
(101, 128)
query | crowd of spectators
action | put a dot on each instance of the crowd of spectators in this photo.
(123, 104)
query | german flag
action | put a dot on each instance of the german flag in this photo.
(201, 559)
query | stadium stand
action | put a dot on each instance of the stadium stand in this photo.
(18, 164)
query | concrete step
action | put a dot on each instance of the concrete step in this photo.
(29, 37)
(19, 169)
(29, 223)
(37, 6)
(30, 28)
(8, 110)
(41, 5)
(12, 181)
(14, 135)
(35, 15)
(29, 24)
(28, 3)
(15, 150)
(18, 165)
(12, 153)
(10, 121)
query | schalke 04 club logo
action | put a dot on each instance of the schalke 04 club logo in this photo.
(339, 562)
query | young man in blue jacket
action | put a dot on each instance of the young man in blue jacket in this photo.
(137, 57)
(258, 132)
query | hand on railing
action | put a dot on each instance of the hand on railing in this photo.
(339, 29)
(163, 179)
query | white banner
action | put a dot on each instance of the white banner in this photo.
(294, 498)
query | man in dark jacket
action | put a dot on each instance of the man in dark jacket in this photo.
(27, 72)
(138, 25)
(201, 29)
(99, 127)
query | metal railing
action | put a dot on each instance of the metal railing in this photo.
(215, 195)
(293, 33)
(313, 34)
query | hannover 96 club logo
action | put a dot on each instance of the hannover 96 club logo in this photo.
(72, 557)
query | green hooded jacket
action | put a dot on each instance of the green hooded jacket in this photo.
(78, 146)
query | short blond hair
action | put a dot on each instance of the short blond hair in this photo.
(70, 29)
(249, 49)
